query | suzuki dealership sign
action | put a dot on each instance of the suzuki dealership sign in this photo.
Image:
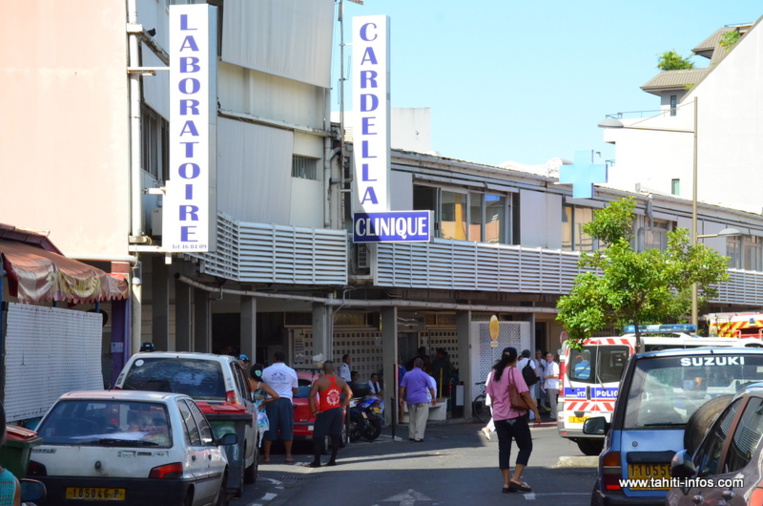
(192, 81)
(372, 219)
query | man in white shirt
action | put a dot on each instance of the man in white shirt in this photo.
(551, 383)
(344, 370)
(283, 379)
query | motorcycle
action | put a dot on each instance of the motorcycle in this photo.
(365, 419)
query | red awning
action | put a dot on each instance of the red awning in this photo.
(39, 275)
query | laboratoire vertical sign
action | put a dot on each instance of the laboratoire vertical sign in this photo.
(186, 214)
(372, 219)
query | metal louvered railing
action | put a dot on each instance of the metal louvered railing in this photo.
(265, 253)
(459, 265)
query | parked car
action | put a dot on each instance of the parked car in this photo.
(131, 448)
(660, 393)
(218, 380)
(727, 467)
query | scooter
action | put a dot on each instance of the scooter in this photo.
(31, 490)
(365, 419)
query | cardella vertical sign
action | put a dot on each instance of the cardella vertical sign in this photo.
(186, 211)
(372, 219)
(370, 99)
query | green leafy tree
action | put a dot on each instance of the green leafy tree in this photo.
(622, 286)
(670, 60)
(729, 39)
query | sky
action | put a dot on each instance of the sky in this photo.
(528, 81)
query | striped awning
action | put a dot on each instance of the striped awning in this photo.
(38, 275)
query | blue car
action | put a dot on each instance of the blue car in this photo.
(660, 396)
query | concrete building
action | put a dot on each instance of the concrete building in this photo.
(728, 94)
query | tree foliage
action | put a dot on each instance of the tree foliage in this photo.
(670, 60)
(623, 286)
(729, 39)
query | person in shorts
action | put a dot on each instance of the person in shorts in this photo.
(329, 413)
(282, 379)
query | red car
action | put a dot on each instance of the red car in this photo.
(304, 421)
(303, 417)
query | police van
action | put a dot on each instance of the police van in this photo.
(591, 375)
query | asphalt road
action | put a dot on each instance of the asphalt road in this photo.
(455, 465)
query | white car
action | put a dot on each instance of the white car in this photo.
(221, 383)
(129, 448)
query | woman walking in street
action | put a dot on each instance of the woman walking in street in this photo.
(511, 423)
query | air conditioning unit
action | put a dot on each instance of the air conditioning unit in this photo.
(363, 256)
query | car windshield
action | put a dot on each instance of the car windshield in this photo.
(598, 364)
(200, 379)
(107, 423)
(665, 391)
(304, 389)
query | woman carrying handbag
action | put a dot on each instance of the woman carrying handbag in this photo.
(511, 401)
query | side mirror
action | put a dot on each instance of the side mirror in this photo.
(228, 439)
(682, 465)
(32, 490)
(596, 426)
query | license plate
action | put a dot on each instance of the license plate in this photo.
(95, 494)
(647, 471)
(578, 419)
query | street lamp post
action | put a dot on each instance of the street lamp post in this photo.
(615, 123)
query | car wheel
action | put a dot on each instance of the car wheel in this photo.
(222, 495)
(590, 446)
(596, 499)
(701, 420)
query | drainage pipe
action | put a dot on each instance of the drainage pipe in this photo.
(330, 301)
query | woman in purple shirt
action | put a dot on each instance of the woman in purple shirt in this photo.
(511, 423)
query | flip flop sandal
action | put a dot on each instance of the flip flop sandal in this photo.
(520, 487)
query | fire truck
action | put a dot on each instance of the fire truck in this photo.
(591, 375)
(749, 324)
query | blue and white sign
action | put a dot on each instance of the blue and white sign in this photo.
(371, 113)
(583, 174)
(392, 226)
(193, 105)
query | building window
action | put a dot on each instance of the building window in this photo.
(461, 215)
(304, 167)
(745, 252)
(573, 237)
(675, 186)
(673, 104)
(453, 215)
(155, 150)
(655, 236)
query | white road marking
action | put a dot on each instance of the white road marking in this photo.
(532, 496)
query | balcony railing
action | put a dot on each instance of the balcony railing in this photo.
(266, 253)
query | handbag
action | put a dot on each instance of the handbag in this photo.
(515, 398)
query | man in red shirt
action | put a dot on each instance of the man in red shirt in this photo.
(330, 412)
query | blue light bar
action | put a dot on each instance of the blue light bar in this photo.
(675, 327)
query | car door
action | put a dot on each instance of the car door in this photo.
(710, 462)
(250, 431)
(197, 455)
(738, 470)
(211, 477)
